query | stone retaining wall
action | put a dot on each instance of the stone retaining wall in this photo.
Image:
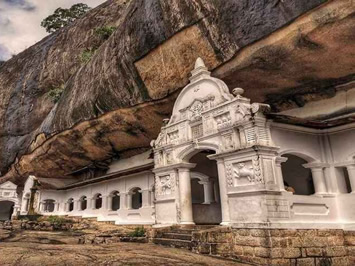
(110, 238)
(278, 247)
(45, 226)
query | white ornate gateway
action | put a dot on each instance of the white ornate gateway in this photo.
(248, 184)
(207, 117)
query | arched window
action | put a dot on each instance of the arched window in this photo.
(136, 198)
(49, 205)
(98, 201)
(83, 203)
(70, 204)
(115, 205)
(297, 179)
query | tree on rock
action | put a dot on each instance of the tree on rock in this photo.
(64, 16)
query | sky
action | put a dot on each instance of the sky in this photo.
(20, 22)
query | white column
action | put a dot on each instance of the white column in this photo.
(77, 206)
(123, 201)
(351, 173)
(185, 196)
(145, 198)
(207, 191)
(90, 204)
(129, 200)
(318, 181)
(330, 180)
(108, 201)
(280, 180)
(223, 192)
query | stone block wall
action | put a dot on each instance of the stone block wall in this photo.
(279, 246)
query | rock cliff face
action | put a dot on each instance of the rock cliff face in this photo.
(113, 103)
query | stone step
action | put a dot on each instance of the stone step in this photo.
(180, 236)
(176, 243)
(182, 231)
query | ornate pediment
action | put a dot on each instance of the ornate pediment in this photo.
(205, 111)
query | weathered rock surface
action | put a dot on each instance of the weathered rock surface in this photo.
(114, 104)
(61, 248)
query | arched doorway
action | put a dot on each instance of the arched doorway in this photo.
(116, 200)
(83, 203)
(297, 178)
(97, 201)
(206, 205)
(6, 210)
(135, 200)
(70, 205)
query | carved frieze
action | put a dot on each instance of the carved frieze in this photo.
(244, 173)
(224, 120)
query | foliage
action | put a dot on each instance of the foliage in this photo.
(56, 93)
(63, 17)
(138, 232)
(86, 55)
(105, 32)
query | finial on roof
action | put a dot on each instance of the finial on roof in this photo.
(199, 63)
(238, 91)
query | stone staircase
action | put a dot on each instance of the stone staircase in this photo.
(177, 236)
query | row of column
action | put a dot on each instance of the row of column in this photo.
(324, 180)
(125, 201)
(321, 181)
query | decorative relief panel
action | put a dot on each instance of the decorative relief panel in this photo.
(165, 185)
(169, 157)
(223, 120)
(173, 136)
(244, 173)
(228, 142)
(196, 110)
(197, 131)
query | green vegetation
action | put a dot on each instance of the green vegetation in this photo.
(105, 32)
(55, 93)
(63, 17)
(86, 55)
(138, 232)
